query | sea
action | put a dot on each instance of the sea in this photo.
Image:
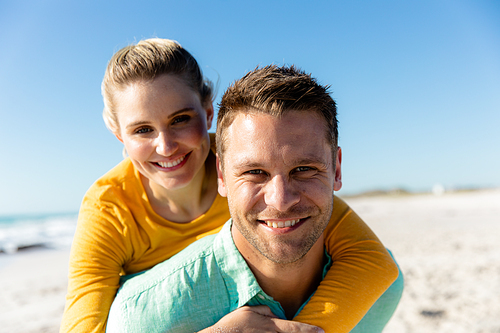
(20, 232)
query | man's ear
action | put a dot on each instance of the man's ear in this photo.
(338, 171)
(220, 179)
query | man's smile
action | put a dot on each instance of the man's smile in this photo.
(281, 224)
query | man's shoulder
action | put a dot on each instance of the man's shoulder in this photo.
(184, 293)
(195, 255)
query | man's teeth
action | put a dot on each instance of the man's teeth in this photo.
(171, 164)
(282, 224)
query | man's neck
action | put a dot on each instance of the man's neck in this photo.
(289, 284)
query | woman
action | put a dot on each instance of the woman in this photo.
(164, 195)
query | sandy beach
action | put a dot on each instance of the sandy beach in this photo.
(447, 247)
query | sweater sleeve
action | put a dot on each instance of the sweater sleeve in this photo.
(361, 271)
(97, 256)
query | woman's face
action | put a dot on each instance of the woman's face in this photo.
(163, 126)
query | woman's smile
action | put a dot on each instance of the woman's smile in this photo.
(173, 164)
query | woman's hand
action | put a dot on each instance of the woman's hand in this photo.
(253, 319)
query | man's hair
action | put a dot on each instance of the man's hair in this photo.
(145, 61)
(275, 91)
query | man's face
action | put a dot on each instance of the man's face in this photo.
(279, 178)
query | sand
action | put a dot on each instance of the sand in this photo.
(447, 247)
(34, 284)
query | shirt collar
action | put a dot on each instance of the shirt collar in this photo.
(240, 282)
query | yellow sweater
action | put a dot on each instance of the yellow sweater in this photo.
(119, 233)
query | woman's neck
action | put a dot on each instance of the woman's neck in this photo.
(185, 204)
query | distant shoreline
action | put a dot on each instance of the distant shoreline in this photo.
(395, 192)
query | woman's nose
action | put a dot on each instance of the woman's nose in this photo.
(166, 144)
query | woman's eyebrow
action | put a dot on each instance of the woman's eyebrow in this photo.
(144, 122)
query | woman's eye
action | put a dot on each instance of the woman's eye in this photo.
(143, 130)
(181, 119)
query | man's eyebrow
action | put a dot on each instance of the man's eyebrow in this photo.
(319, 163)
(246, 163)
(309, 161)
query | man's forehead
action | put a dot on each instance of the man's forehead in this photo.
(251, 119)
(295, 138)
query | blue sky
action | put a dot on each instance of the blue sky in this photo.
(417, 84)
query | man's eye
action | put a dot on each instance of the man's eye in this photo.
(303, 169)
(181, 119)
(255, 172)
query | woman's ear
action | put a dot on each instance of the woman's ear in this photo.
(210, 115)
(118, 136)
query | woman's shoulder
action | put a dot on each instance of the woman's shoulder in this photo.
(120, 181)
(119, 171)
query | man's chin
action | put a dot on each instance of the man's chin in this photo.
(283, 252)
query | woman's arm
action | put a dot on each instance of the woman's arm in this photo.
(361, 271)
(97, 255)
(258, 319)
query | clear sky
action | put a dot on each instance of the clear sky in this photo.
(417, 84)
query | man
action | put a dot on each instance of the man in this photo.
(278, 164)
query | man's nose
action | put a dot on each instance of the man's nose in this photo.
(166, 144)
(280, 194)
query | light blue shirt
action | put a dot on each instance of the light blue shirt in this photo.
(196, 288)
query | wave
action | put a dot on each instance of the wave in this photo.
(49, 230)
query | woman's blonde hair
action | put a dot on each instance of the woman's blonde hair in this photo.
(145, 61)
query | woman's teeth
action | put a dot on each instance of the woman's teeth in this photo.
(282, 224)
(171, 164)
